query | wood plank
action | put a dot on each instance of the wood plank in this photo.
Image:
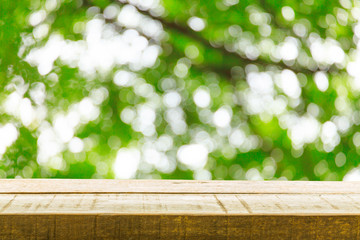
(173, 186)
(139, 209)
(187, 204)
(177, 227)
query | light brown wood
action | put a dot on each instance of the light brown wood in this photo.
(159, 209)
(173, 186)
(184, 204)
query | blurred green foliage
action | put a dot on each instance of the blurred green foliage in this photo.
(223, 89)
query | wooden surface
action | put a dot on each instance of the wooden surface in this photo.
(172, 186)
(149, 209)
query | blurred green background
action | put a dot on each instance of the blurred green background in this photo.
(223, 89)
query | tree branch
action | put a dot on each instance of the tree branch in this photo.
(172, 25)
(229, 56)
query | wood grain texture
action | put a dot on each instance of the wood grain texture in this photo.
(177, 227)
(138, 209)
(185, 204)
(172, 186)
